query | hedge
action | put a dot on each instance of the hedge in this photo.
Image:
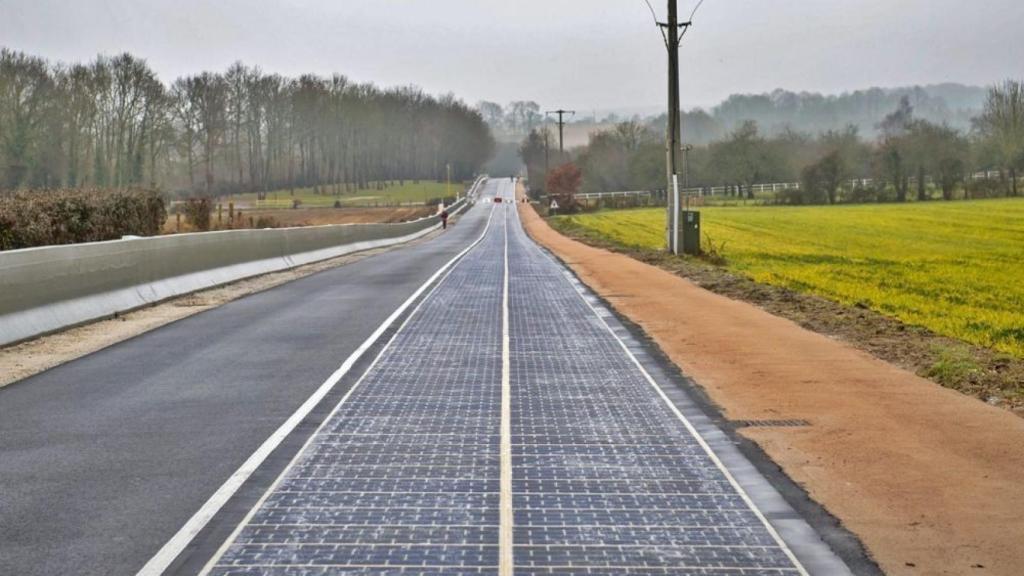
(41, 218)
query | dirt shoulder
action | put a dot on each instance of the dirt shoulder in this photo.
(927, 477)
(31, 357)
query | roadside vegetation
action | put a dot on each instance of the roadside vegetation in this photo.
(955, 269)
(72, 133)
(72, 216)
(932, 287)
(908, 157)
(112, 123)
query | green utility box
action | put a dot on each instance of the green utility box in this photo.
(691, 232)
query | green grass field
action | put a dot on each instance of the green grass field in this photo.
(956, 268)
(408, 193)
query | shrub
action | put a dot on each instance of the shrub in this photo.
(40, 218)
(563, 183)
(267, 222)
(984, 189)
(861, 194)
(198, 211)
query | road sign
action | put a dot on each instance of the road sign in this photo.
(554, 205)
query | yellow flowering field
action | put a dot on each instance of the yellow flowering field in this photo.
(956, 268)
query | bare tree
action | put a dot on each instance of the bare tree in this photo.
(1002, 122)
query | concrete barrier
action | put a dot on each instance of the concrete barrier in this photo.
(54, 287)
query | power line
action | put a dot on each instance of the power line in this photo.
(561, 128)
(651, 8)
(695, 8)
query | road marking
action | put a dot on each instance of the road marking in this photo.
(505, 535)
(177, 544)
(693, 431)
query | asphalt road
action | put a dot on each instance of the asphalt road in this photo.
(103, 459)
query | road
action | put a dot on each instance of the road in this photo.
(507, 429)
(506, 424)
(105, 458)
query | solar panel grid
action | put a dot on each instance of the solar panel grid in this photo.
(607, 479)
(404, 478)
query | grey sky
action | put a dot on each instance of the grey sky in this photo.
(583, 54)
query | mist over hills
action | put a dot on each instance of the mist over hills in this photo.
(951, 104)
(775, 112)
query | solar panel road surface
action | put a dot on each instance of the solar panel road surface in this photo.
(507, 428)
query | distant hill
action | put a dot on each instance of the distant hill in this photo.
(952, 104)
(777, 111)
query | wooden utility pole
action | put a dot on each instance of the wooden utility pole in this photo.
(561, 129)
(673, 32)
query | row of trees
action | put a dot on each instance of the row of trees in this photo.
(514, 120)
(113, 123)
(911, 156)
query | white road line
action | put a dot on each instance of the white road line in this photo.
(174, 547)
(505, 534)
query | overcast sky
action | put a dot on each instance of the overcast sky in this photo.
(583, 54)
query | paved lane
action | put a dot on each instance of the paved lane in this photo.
(608, 478)
(406, 472)
(105, 458)
(505, 430)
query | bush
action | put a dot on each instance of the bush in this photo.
(197, 212)
(984, 189)
(267, 222)
(563, 183)
(41, 218)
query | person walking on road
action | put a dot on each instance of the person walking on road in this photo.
(444, 219)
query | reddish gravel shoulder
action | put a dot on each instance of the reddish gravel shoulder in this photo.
(931, 480)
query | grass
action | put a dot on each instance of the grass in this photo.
(407, 193)
(953, 365)
(954, 268)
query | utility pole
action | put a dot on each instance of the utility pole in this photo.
(673, 32)
(561, 129)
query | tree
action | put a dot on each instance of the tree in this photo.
(937, 150)
(523, 116)
(615, 159)
(563, 183)
(891, 166)
(894, 150)
(819, 182)
(492, 113)
(26, 90)
(209, 101)
(535, 152)
(112, 123)
(1002, 123)
(744, 158)
(831, 173)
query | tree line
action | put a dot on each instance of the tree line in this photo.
(911, 157)
(111, 123)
